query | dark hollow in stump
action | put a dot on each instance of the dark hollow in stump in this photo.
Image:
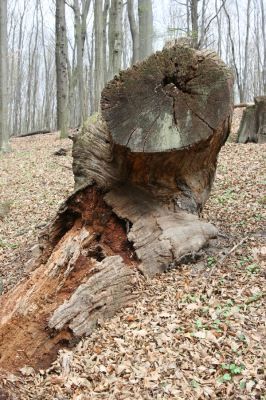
(253, 123)
(143, 174)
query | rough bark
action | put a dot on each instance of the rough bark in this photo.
(142, 175)
(253, 123)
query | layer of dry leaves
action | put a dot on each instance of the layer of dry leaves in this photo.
(33, 182)
(197, 332)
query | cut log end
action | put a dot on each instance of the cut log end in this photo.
(176, 98)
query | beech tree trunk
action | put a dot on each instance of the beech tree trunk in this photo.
(145, 14)
(143, 174)
(134, 30)
(99, 68)
(115, 37)
(4, 136)
(253, 123)
(194, 22)
(61, 68)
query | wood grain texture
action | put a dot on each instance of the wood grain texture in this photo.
(172, 100)
(108, 288)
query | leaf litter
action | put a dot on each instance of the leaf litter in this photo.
(196, 332)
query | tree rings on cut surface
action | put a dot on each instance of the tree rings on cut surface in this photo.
(174, 99)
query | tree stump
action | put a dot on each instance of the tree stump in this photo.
(253, 124)
(143, 173)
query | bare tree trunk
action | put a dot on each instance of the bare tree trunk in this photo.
(218, 18)
(245, 72)
(31, 60)
(134, 31)
(105, 15)
(12, 80)
(126, 48)
(17, 116)
(90, 52)
(4, 136)
(142, 175)
(188, 16)
(202, 25)
(34, 77)
(115, 37)
(80, 36)
(230, 38)
(61, 69)
(46, 116)
(263, 22)
(145, 28)
(194, 23)
(99, 53)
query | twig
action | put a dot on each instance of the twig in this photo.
(62, 165)
(219, 262)
(232, 250)
(255, 298)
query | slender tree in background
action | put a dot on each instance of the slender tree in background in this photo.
(145, 28)
(99, 53)
(115, 37)
(105, 26)
(246, 54)
(134, 31)
(263, 22)
(61, 68)
(17, 95)
(194, 22)
(80, 35)
(4, 137)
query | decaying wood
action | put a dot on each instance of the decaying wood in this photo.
(81, 281)
(253, 123)
(143, 174)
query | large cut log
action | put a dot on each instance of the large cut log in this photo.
(253, 123)
(143, 173)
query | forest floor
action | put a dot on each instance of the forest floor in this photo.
(197, 332)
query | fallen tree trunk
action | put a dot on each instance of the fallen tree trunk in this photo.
(243, 105)
(253, 124)
(39, 132)
(142, 176)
